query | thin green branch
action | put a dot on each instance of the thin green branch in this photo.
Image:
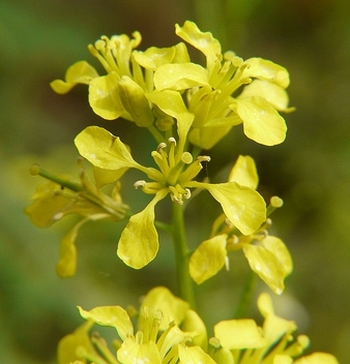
(184, 281)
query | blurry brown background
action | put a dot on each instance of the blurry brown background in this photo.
(310, 171)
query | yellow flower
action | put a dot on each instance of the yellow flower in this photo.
(211, 89)
(211, 94)
(169, 332)
(158, 337)
(62, 195)
(267, 255)
(243, 342)
(138, 244)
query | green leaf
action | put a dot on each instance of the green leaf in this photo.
(208, 258)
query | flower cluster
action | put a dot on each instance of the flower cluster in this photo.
(169, 332)
(148, 88)
(188, 108)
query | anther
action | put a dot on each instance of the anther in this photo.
(187, 195)
(172, 140)
(140, 183)
(203, 158)
(161, 146)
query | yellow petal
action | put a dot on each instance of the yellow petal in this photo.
(203, 41)
(244, 172)
(67, 346)
(154, 57)
(103, 149)
(261, 122)
(272, 93)
(105, 176)
(171, 103)
(271, 261)
(239, 334)
(113, 316)
(138, 244)
(180, 76)
(104, 97)
(134, 101)
(208, 258)
(244, 207)
(194, 355)
(161, 299)
(79, 72)
(266, 70)
(194, 324)
(66, 265)
(317, 358)
(48, 202)
(133, 353)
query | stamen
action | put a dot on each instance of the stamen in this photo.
(140, 183)
(187, 194)
(203, 158)
(187, 158)
(172, 140)
(161, 146)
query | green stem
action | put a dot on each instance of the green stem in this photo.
(246, 296)
(184, 281)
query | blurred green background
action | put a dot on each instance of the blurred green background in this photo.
(310, 171)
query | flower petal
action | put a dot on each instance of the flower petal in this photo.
(271, 261)
(266, 70)
(203, 41)
(194, 355)
(104, 97)
(132, 352)
(244, 207)
(180, 76)
(208, 258)
(113, 316)
(67, 346)
(244, 172)
(138, 244)
(261, 122)
(79, 72)
(161, 299)
(239, 334)
(154, 57)
(103, 149)
(272, 93)
(317, 358)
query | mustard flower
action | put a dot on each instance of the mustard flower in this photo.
(169, 332)
(177, 168)
(227, 92)
(121, 92)
(243, 342)
(165, 328)
(63, 195)
(213, 92)
(267, 255)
